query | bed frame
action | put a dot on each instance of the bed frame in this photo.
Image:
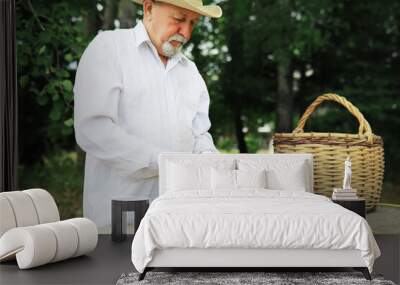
(242, 259)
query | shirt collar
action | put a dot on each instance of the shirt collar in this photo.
(142, 36)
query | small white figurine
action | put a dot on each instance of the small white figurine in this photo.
(347, 175)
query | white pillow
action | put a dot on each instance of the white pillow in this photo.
(188, 177)
(251, 178)
(223, 179)
(183, 173)
(282, 174)
(293, 180)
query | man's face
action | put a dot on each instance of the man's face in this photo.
(169, 26)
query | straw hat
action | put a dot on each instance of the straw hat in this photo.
(197, 6)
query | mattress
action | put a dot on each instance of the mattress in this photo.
(250, 219)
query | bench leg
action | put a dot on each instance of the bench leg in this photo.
(143, 274)
(364, 271)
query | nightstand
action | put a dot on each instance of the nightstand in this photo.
(119, 207)
(357, 206)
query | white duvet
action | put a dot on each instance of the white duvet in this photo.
(250, 219)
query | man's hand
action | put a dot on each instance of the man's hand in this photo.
(145, 173)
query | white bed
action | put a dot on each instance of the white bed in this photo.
(198, 226)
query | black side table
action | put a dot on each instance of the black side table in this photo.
(357, 206)
(119, 207)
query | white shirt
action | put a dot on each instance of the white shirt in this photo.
(129, 107)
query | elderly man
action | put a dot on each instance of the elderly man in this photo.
(137, 95)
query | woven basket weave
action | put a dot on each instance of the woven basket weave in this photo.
(330, 150)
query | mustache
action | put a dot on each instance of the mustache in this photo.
(178, 38)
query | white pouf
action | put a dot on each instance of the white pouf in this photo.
(31, 233)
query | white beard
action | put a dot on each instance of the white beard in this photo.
(169, 49)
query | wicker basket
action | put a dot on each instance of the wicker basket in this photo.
(331, 149)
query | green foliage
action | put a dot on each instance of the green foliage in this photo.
(49, 44)
(61, 175)
(226, 144)
(254, 142)
(287, 29)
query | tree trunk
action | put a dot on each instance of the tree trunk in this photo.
(91, 22)
(284, 100)
(127, 14)
(110, 14)
(240, 136)
(233, 70)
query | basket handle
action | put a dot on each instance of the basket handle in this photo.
(364, 128)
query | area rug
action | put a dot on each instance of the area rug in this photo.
(243, 278)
